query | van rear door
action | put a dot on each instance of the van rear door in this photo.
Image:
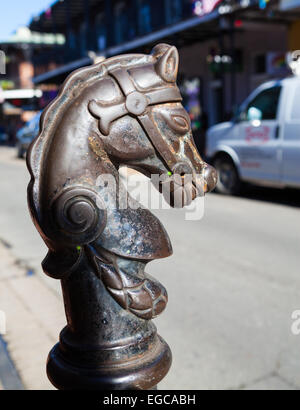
(258, 133)
(291, 136)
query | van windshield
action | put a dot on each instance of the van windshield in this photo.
(265, 103)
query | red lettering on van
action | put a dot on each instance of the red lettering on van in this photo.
(259, 135)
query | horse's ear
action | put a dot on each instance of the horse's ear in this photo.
(167, 62)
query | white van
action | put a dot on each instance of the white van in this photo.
(261, 144)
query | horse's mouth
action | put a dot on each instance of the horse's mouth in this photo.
(180, 191)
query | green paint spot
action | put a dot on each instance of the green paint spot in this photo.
(169, 173)
(78, 248)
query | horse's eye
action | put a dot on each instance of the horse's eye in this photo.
(180, 124)
(177, 120)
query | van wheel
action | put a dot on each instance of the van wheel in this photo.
(228, 179)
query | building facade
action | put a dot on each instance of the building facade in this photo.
(226, 47)
(19, 100)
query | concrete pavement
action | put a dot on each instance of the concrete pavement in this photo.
(11, 379)
(34, 316)
(233, 283)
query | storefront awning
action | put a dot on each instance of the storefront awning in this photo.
(184, 27)
(56, 76)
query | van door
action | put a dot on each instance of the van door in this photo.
(291, 137)
(258, 136)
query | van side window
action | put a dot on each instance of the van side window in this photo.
(295, 112)
(265, 104)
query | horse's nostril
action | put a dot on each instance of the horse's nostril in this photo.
(182, 169)
(210, 177)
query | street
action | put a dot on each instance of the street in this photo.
(233, 283)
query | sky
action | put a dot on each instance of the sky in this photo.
(16, 13)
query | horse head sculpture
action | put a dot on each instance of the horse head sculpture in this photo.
(125, 110)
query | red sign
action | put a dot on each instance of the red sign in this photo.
(259, 135)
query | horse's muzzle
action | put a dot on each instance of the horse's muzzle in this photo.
(183, 186)
(210, 178)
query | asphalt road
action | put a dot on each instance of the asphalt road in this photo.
(233, 283)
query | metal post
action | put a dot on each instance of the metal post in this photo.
(103, 345)
(97, 248)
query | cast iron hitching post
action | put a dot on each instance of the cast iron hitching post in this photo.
(125, 110)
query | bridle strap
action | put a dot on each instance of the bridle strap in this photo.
(157, 141)
(167, 94)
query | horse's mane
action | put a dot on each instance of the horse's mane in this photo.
(71, 89)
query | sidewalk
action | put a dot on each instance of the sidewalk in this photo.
(9, 378)
(34, 318)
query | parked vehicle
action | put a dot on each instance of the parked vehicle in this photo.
(261, 144)
(26, 134)
(3, 136)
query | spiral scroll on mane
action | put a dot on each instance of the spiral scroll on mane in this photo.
(76, 217)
